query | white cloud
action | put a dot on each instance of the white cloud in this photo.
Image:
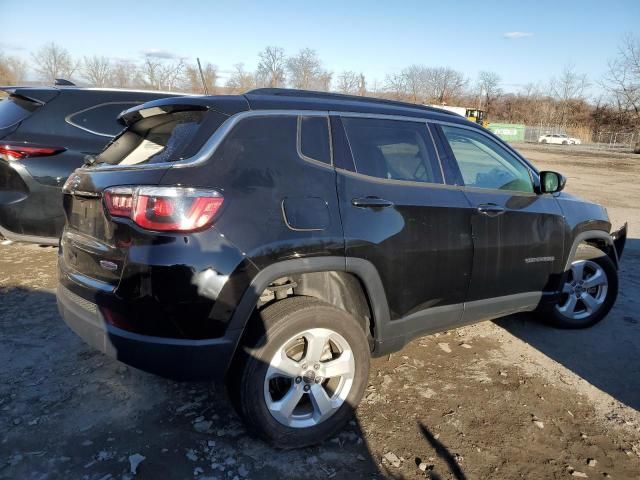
(159, 53)
(517, 35)
(11, 46)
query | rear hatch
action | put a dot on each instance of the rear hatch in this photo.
(99, 233)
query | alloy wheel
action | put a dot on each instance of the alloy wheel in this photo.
(309, 378)
(584, 291)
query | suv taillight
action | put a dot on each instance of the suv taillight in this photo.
(168, 209)
(17, 151)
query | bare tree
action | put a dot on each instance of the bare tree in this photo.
(162, 75)
(623, 77)
(151, 73)
(12, 70)
(52, 61)
(420, 84)
(306, 72)
(489, 89)
(569, 89)
(271, 68)
(124, 74)
(97, 70)
(445, 84)
(172, 75)
(240, 80)
(348, 82)
(396, 86)
(362, 85)
(415, 81)
(193, 79)
(570, 85)
(323, 82)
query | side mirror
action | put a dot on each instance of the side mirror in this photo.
(551, 182)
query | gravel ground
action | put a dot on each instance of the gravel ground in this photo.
(506, 399)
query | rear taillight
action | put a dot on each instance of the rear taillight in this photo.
(169, 209)
(119, 201)
(17, 151)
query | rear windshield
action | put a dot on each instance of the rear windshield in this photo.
(15, 109)
(162, 138)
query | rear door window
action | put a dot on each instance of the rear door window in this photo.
(100, 119)
(161, 138)
(392, 149)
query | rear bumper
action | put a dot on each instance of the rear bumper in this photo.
(173, 358)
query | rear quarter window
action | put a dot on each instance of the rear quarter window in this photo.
(100, 119)
(313, 138)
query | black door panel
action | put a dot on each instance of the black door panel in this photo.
(517, 234)
(399, 216)
(420, 244)
(517, 243)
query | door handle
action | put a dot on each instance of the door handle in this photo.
(491, 209)
(371, 202)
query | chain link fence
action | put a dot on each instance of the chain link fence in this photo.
(602, 140)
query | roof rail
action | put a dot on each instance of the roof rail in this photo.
(293, 92)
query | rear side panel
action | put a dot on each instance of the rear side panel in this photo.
(163, 284)
(278, 205)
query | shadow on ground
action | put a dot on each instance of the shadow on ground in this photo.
(605, 355)
(70, 412)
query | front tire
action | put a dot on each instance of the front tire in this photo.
(302, 372)
(589, 290)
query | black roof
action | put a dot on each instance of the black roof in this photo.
(284, 98)
(44, 94)
(289, 99)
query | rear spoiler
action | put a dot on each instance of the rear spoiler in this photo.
(224, 104)
(39, 95)
(157, 107)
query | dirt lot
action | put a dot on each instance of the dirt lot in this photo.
(507, 399)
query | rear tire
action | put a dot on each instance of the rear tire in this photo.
(301, 373)
(589, 291)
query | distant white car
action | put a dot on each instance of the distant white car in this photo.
(559, 139)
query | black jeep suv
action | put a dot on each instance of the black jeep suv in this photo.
(280, 238)
(45, 134)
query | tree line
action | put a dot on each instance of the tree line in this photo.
(563, 100)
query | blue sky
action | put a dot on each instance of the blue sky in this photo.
(373, 37)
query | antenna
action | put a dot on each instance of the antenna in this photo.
(204, 84)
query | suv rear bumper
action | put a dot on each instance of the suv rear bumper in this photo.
(173, 358)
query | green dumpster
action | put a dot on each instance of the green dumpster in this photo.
(510, 132)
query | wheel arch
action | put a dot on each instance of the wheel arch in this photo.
(346, 277)
(595, 238)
